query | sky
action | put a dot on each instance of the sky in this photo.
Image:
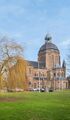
(28, 21)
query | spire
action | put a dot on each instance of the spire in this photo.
(48, 38)
(64, 64)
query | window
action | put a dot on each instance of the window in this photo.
(34, 85)
(29, 83)
(29, 70)
(54, 74)
(52, 58)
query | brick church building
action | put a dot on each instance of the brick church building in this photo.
(47, 72)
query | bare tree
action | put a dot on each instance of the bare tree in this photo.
(68, 64)
(9, 53)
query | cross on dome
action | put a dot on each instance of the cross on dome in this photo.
(48, 38)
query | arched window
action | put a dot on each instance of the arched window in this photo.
(29, 70)
(52, 59)
(29, 83)
(34, 85)
(54, 74)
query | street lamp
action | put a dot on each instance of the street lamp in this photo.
(59, 82)
(39, 75)
(62, 84)
(54, 83)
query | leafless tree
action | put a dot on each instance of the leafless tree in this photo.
(10, 51)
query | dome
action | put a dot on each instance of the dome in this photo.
(48, 45)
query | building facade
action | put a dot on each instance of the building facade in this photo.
(47, 72)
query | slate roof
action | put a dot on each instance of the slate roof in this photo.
(35, 64)
(47, 46)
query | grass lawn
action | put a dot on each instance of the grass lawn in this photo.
(35, 106)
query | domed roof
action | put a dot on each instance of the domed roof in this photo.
(48, 45)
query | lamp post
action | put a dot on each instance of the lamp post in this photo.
(59, 82)
(39, 75)
(62, 84)
(54, 83)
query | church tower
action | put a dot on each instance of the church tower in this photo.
(49, 54)
(64, 67)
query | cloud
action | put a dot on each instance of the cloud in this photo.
(65, 43)
(15, 10)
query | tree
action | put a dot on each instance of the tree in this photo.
(10, 51)
(68, 64)
(19, 79)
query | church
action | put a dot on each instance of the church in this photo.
(47, 72)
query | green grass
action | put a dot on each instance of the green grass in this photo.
(35, 106)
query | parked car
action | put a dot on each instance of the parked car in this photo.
(39, 89)
(51, 90)
(35, 89)
(42, 90)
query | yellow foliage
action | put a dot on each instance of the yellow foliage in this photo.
(17, 75)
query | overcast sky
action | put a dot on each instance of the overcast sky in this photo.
(28, 21)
